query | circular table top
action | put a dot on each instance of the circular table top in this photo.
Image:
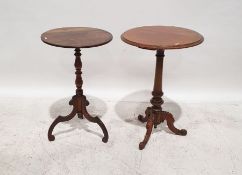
(162, 37)
(76, 37)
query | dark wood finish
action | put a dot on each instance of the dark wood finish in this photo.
(79, 103)
(76, 37)
(162, 37)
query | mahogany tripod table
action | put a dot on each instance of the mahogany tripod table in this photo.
(160, 38)
(77, 37)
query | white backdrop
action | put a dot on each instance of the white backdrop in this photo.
(209, 72)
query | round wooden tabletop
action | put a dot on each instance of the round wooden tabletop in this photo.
(76, 37)
(162, 37)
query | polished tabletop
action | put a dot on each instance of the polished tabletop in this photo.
(76, 37)
(162, 37)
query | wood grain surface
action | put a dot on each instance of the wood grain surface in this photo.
(162, 37)
(76, 37)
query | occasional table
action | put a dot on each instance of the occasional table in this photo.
(77, 38)
(160, 38)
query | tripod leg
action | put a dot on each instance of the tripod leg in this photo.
(149, 127)
(98, 121)
(58, 120)
(170, 122)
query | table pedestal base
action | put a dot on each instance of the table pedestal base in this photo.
(154, 118)
(79, 103)
(155, 115)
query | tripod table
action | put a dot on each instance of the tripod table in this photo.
(160, 38)
(77, 38)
